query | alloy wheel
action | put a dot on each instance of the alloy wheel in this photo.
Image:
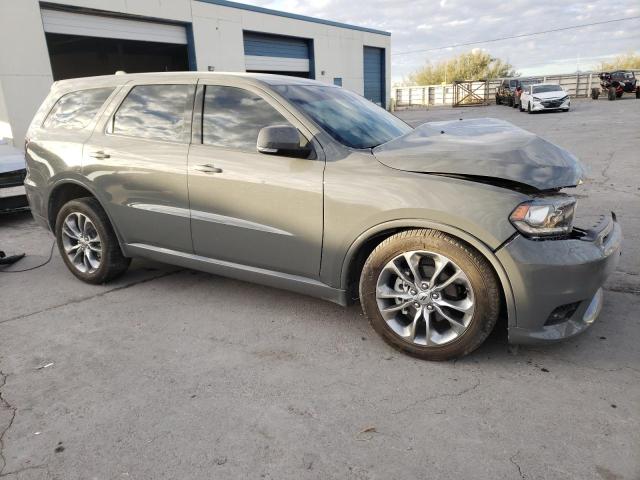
(425, 298)
(81, 242)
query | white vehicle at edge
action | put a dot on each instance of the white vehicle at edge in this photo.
(544, 96)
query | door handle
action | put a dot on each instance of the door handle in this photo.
(208, 168)
(99, 155)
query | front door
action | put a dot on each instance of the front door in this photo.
(251, 208)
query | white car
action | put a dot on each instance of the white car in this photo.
(544, 96)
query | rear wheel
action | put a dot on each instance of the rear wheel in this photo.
(429, 294)
(637, 92)
(87, 243)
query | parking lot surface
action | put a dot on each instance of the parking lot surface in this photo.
(176, 374)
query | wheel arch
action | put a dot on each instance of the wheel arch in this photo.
(65, 190)
(366, 242)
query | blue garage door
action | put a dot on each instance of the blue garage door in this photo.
(277, 54)
(374, 75)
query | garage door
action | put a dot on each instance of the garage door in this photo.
(83, 45)
(374, 75)
(279, 54)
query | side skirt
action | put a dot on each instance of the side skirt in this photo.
(294, 283)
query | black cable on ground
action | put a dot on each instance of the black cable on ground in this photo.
(36, 266)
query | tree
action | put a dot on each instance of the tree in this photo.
(474, 65)
(627, 61)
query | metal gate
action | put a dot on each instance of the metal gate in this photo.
(470, 94)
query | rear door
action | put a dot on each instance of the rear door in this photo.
(251, 208)
(137, 161)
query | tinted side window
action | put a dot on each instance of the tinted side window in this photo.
(513, 83)
(233, 117)
(77, 109)
(155, 112)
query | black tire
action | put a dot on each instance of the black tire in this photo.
(520, 107)
(510, 101)
(638, 92)
(611, 94)
(112, 262)
(529, 108)
(595, 93)
(478, 270)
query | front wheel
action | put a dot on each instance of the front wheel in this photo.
(429, 294)
(87, 243)
(529, 108)
(611, 93)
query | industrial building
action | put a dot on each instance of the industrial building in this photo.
(41, 42)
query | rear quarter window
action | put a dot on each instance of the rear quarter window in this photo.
(75, 110)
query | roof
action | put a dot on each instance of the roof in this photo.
(295, 16)
(124, 78)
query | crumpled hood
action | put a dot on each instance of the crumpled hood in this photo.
(482, 147)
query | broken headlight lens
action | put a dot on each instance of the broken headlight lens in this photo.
(544, 217)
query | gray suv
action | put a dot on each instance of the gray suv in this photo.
(438, 230)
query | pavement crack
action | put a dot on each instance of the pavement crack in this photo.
(436, 396)
(512, 459)
(624, 289)
(90, 297)
(24, 469)
(5, 406)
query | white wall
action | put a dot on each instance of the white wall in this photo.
(25, 70)
(338, 51)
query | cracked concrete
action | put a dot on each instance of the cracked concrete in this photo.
(6, 407)
(170, 374)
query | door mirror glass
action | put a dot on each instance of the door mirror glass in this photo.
(280, 140)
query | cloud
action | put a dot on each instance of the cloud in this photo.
(431, 23)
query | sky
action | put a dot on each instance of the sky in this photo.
(423, 24)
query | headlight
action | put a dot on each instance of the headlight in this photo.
(536, 99)
(543, 217)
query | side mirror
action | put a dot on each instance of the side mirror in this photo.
(280, 140)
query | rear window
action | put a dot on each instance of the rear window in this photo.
(155, 112)
(75, 110)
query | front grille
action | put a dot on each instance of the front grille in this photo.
(12, 179)
(552, 103)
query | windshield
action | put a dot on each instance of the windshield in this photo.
(547, 88)
(348, 118)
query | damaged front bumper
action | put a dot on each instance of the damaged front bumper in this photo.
(557, 284)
